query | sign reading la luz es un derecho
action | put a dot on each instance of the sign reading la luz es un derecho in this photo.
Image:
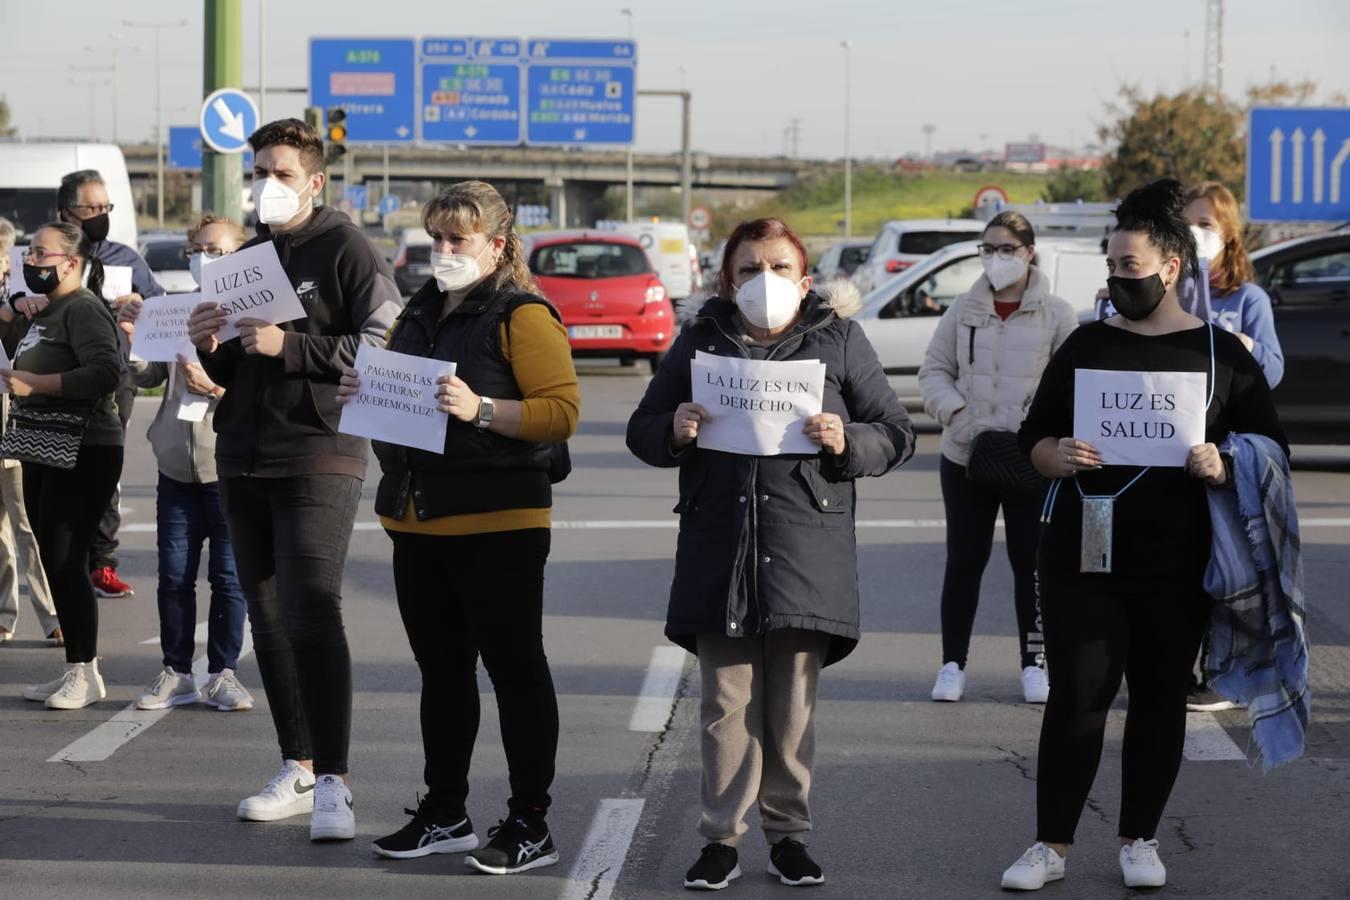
(757, 408)
(251, 284)
(1140, 418)
(396, 401)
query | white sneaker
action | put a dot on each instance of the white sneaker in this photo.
(289, 793)
(38, 693)
(170, 688)
(950, 684)
(1140, 865)
(80, 686)
(1035, 685)
(225, 692)
(1038, 866)
(334, 818)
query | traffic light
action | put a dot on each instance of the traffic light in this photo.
(336, 138)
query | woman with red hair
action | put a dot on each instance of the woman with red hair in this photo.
(766, 587)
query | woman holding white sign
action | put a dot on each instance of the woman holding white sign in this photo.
(766, 586)
(1125, 547)
(977, 378)
(471, 524)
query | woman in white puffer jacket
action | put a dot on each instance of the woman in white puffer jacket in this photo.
(979, 374)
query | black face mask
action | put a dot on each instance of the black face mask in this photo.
(96, 228)
(40, 279)
(1136, 298)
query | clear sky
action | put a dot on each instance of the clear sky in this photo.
(982, 72)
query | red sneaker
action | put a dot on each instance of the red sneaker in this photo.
(108, 585)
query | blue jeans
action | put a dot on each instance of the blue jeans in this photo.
(187, 515)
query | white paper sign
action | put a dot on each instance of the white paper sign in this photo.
(16, 283)
(1140, 418)
(397, 400)
(193, 407)
(251, 284)
(116, 282)
(757, 407)
(162, 328)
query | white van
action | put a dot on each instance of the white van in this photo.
(30, 173)
(672, 255)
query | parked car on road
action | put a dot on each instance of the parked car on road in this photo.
(610, 297)
(899, 317)
(412, 260)
(841, 260)
(166, 255)
(902, 243)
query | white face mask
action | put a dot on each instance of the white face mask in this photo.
(1003, 272)
(276, 202)
(454, 272)
(197, 260)
(1208, 242)
(768, 300)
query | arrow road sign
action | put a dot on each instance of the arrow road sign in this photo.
(228, 117)
(1289, 175)
(471, 90)
(372, 80)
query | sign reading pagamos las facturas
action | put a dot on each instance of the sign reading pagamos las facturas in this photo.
(757, 408)
(162, 328)
(396, 401)
(1140, 418)
(250, 284)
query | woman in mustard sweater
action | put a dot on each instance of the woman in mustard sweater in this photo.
(470, 525)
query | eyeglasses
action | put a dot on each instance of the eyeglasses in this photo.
(1004, 251)
(84, 210)
(206, 248)
(33, 255)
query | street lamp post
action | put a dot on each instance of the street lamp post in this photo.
(848, 150)
(159, 111)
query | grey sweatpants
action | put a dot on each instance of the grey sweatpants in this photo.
(19, 556)
(758, 731)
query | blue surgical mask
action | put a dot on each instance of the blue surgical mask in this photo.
(197, 260)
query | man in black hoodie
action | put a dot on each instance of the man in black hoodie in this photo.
(289, 481)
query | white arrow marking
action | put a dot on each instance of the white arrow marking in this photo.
(1276, 164)
(1336, 171)
(1319, 142)
(579, 134)
(233, 123)
(470, 131)
(1296, 145)
(402, 131)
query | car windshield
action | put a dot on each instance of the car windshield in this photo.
(27, 209)
(852, 257)
(925, 242)
(584, 259)
(162, 256)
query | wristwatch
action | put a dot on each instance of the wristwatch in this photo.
(485, 411)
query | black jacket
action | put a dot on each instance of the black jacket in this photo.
(768, 542)
(477, 470)
(279, 416)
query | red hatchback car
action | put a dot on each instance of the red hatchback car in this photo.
(610, 297)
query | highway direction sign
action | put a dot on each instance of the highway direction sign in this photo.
(1296, 165)
(471, 90)
(580, 92)
(372, 80)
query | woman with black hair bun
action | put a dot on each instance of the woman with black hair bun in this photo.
(1141, 612)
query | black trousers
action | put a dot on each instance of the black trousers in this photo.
(103, 548)
(1094, 634)
(64, 506)
(971, 512)
(471, 596)
(290, 538)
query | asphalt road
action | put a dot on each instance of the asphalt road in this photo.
(911, 798)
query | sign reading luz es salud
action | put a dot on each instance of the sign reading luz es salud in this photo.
(396, 401)
(757, 407)
(1140, 418)
(251, 284)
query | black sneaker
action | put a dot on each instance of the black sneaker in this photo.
(514, 845)
(716, 869)
(1203, 698)
(429, 832)
(789, 861)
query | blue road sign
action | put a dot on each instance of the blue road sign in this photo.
(471, 90)
(389, 203)
(228, 117)
(619, 51)
(1296, 165)
(580, 92)
(185, 149)
(355, 195)
(372, 80)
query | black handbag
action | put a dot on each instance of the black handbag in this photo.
(49, 437)
(997, 463)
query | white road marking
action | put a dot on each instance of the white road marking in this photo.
(657, 697)
(108, 738)
(602, 853)
(1207, 741)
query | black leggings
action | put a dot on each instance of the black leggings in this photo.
(461, 597)
(290, 538)
(64, 506)
(1094, 634)
(971, 511)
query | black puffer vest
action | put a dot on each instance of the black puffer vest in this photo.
(479, 471)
